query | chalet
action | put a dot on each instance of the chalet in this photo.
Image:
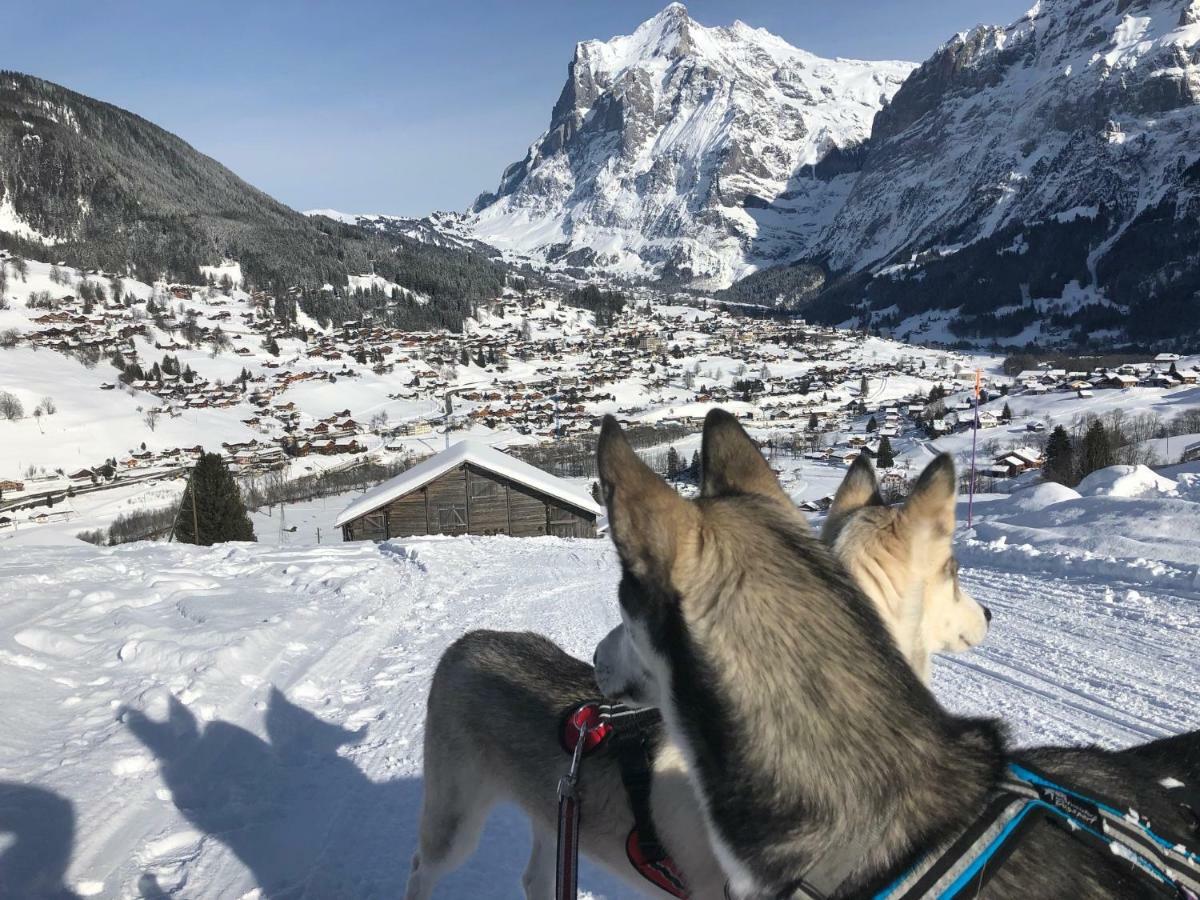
(1167, 358)
(471, 488)
(7, 486)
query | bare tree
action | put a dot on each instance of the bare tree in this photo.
(151, 418)
(10, 406)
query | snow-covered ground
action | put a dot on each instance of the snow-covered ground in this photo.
(245, 720)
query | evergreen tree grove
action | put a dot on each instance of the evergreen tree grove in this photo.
(212, 510)
(674, 463)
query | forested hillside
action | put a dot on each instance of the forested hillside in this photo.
(99, 187)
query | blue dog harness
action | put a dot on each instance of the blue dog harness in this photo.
(1024, 797)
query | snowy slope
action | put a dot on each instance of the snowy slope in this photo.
(292, 758)
(688, 151)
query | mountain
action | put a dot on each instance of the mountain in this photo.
(99, 187)
(1039, 181)
(440, 229)
(688, 152)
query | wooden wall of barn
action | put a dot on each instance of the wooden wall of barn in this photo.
(470, 500)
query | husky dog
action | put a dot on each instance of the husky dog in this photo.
(497, 701)
(818, 754)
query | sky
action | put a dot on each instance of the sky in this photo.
(395, 106)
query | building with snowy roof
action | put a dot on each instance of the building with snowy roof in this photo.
(471, 488)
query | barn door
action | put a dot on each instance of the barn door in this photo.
(562, 522)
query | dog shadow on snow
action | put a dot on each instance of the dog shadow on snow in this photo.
(303, 819)
(40, 826)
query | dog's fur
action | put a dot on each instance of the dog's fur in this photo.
(496, 703)
(817, 752)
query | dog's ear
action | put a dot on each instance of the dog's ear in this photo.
(858, 489)
(731, 463)
(934, 497)
(647, 519)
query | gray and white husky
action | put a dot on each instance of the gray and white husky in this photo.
(497, 701)
(817, 752)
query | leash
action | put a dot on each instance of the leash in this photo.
(629, 735)
(566, 879)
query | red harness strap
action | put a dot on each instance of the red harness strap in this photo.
(660, 872)
(598, 723)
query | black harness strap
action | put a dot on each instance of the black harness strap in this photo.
(633, 738)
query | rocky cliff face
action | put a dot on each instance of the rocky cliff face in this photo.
(689, 152)
(1035, 178)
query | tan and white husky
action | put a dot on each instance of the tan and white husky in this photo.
(497, 701)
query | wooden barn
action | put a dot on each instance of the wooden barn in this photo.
(471, 488)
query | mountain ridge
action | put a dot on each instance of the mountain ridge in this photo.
(686, 151)
(87, 182)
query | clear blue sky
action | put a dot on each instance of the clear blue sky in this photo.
(404, 106)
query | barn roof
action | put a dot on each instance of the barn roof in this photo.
(477, 454)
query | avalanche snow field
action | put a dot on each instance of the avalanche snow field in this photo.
(246, 721)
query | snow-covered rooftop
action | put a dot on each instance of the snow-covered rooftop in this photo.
(477, 454)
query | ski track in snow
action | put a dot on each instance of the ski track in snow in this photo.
(315, 792)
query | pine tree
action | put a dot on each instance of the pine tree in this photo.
(863, 385)
(872, 425)
(813, 422)
(1006, 414)
(694, 466)
(674, 463)
(1060, 463)
(885, 459)
(212, 510)
(1096, 452)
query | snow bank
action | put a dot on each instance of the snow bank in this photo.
(1039, 496)
(1126, 481)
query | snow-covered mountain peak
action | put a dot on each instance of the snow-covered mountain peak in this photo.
(688, 150)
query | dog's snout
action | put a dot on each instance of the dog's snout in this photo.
(987, 614)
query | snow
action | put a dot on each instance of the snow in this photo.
(248, 717)
(1126, 481)
(1039, 496)
(474, 453)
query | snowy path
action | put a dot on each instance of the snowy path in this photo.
(284, 690)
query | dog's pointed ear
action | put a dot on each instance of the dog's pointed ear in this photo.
(731, 463)
(647, 518)
(934, 497)
(858, 489)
